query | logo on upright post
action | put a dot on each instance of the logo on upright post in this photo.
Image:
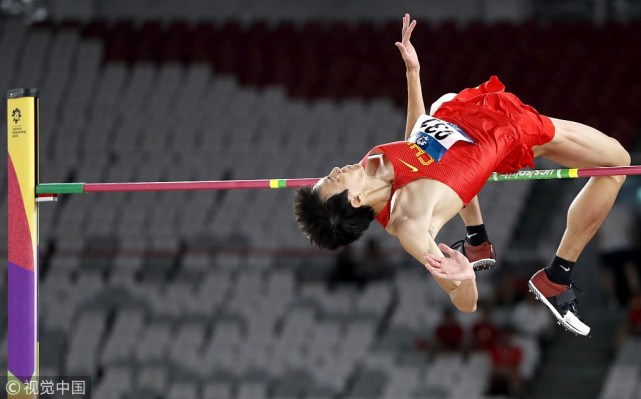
(16, 115)
(17, 129)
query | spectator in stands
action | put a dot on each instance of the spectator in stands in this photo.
(617, 239)
(345, 270)
(371, 266)
(506, 358)
(634, 314)
(633, 320)
(415, 186)
(632, 325)
(375, 265)
(449, 333)
(485, 332)
(511, 287)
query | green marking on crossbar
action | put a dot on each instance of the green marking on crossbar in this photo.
(60, 188)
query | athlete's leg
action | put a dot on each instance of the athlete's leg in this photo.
(471, 214)
(576, 145)
(444, 98)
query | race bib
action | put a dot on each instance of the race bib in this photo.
(436, 136)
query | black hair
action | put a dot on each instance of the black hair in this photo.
(333, 223)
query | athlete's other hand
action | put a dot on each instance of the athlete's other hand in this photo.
(405, 46)
(453, 267)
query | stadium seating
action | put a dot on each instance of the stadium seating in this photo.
(189, 295)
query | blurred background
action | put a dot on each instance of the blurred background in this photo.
(216, 295)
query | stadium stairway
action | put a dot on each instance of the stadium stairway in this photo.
(559, 377)
(559, 372)
(563, 379)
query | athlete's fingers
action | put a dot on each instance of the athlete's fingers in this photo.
(439, 273)
(436, 260)
(435, 271)
(434, 265)
(408, 32)
(447, 250)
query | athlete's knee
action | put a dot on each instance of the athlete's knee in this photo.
(614, 154)
(619, 157)
(444, 98)
(625, 161)
(623, 155)
(617, 179)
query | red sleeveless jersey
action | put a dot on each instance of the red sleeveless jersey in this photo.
(502, 127)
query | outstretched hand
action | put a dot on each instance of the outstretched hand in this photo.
(453, 267)
(405, 46)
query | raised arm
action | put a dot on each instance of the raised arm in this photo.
(415, 105)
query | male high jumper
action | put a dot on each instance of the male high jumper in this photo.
(413, 187)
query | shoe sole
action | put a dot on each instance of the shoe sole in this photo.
(559, 318)
(483, 264)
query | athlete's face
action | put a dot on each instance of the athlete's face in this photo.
(350, 178)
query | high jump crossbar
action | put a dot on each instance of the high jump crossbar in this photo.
(78, 188)
(24, 192)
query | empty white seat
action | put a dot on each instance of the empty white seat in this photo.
(153, 378)
(217, 390)
(154, 343)
(183, 390)
(124, 336)
(251, 391)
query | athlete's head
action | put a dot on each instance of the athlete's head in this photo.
(332, 213)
